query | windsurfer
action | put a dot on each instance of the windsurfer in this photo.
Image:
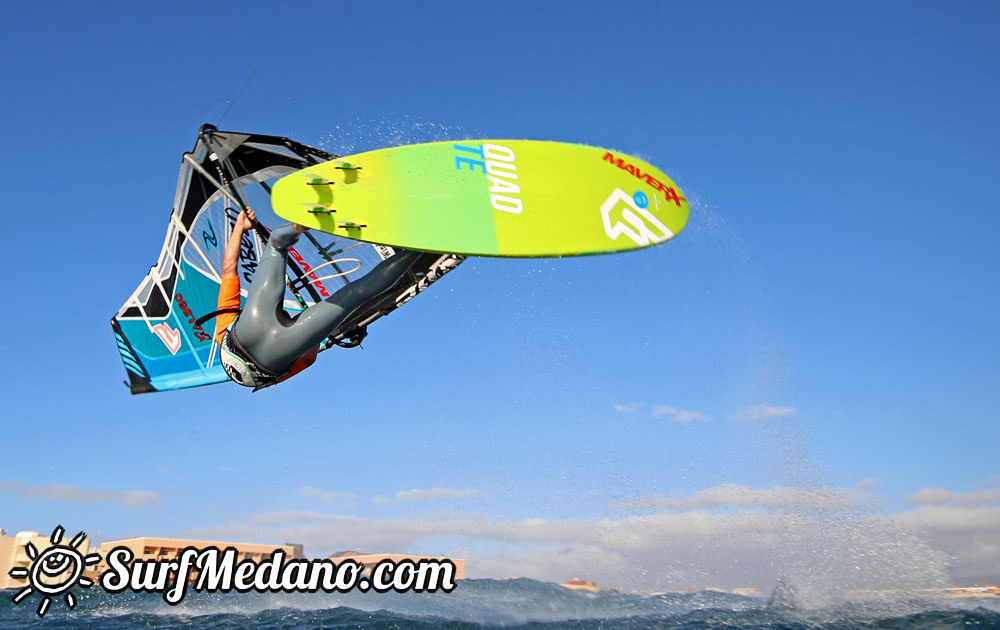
(262, 344)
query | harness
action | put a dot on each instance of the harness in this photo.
(242, 367)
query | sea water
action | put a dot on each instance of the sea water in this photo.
(519, 603)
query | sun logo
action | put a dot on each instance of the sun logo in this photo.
(54, 571)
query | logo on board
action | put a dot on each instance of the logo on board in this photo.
(629, 216)
(499, 165)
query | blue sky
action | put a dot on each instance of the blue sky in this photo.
(827, 319)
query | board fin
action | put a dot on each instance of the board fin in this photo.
(318, 208)
(316, 180)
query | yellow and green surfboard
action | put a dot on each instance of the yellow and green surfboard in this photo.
(517, 198)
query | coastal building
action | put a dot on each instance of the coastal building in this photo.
(147, 548)
(14, 553)
(965, 592)
(576, 584)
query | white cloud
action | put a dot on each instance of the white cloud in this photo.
(759, 412)
(629, 408)
(677, 414)
(727, 536)
(868, 484)
(436, 494)
(819, 554)
(992, 481)
(74, 494)
(970, 534)
(326, 496)
(940, 496)
(737, 495)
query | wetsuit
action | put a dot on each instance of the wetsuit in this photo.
(274, 340)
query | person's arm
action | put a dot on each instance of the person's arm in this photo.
(229, 288)
(231, 257)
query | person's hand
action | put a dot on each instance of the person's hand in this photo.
(246, 220)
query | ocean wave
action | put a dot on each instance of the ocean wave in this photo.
(489, 604)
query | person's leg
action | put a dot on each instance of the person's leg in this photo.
(267, 291)
(313, 325)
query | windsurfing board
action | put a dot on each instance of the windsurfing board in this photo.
(516, 198)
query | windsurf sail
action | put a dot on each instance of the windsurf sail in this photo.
(165, 328)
